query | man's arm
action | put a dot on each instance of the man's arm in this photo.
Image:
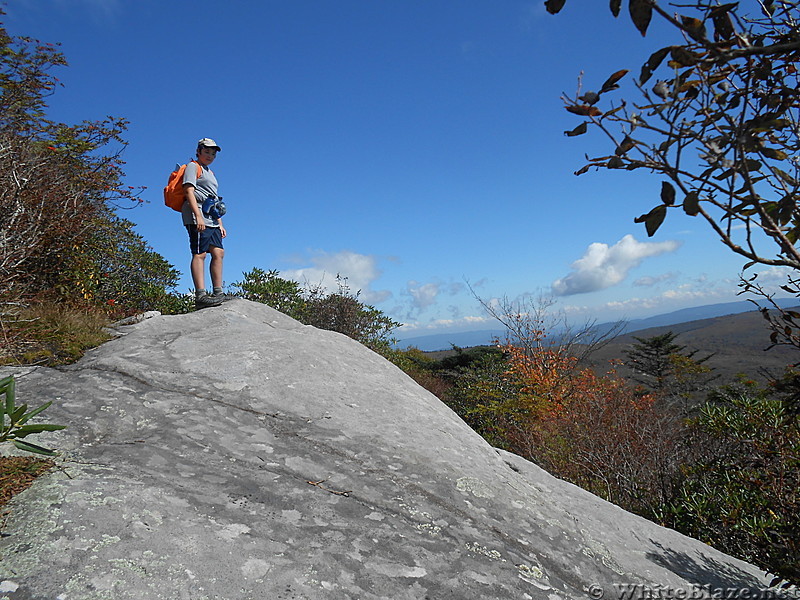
(188, 189)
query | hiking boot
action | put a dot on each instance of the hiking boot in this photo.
(207, 300)
(223, 297)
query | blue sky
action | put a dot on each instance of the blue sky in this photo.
(415, 147)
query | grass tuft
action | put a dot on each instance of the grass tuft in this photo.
(49, 333)
(46, 333)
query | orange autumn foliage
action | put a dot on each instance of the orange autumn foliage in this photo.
(594, 430)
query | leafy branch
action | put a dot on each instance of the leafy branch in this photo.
(720, 126)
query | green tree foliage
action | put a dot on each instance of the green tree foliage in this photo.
(115, 266)
(343, 312)
(420, 366)
(650, 359)
(474, 382)
(743, 496)
(485, 395)
(60, 188)
(666, 368)
(339, 311)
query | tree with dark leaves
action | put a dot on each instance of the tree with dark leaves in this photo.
(718, 121)
(57, 180)
(720, 125)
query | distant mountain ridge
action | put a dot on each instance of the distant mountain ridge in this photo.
(737, 343)
(707, 311)
(468, 339)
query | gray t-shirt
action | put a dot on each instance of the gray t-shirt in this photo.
(204, 187)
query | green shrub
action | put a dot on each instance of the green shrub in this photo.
(114, 266)
(340, 311)
(268, 288)
(47, 164)
(743, 495)
(484, 394)
(343, 312)
(174, 304)
(13, 419)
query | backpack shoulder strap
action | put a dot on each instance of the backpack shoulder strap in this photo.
(200, 169)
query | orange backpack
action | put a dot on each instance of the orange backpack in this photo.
(173, 192)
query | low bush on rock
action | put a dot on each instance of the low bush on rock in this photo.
(340, 311)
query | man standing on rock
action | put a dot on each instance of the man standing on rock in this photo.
(202, 215)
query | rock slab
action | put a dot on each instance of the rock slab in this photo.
(233, 453)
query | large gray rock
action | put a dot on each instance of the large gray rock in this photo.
(234, 453)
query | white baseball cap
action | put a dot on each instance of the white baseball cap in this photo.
(208, 143)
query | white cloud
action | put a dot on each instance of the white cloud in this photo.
(685, 292)
(603, 266)
(423, 295)
(449, 325)
(360, 270)
(775, 275)
(648, 281)
(682, 296)
(480, 283)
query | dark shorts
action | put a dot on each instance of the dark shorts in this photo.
(201, 241)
